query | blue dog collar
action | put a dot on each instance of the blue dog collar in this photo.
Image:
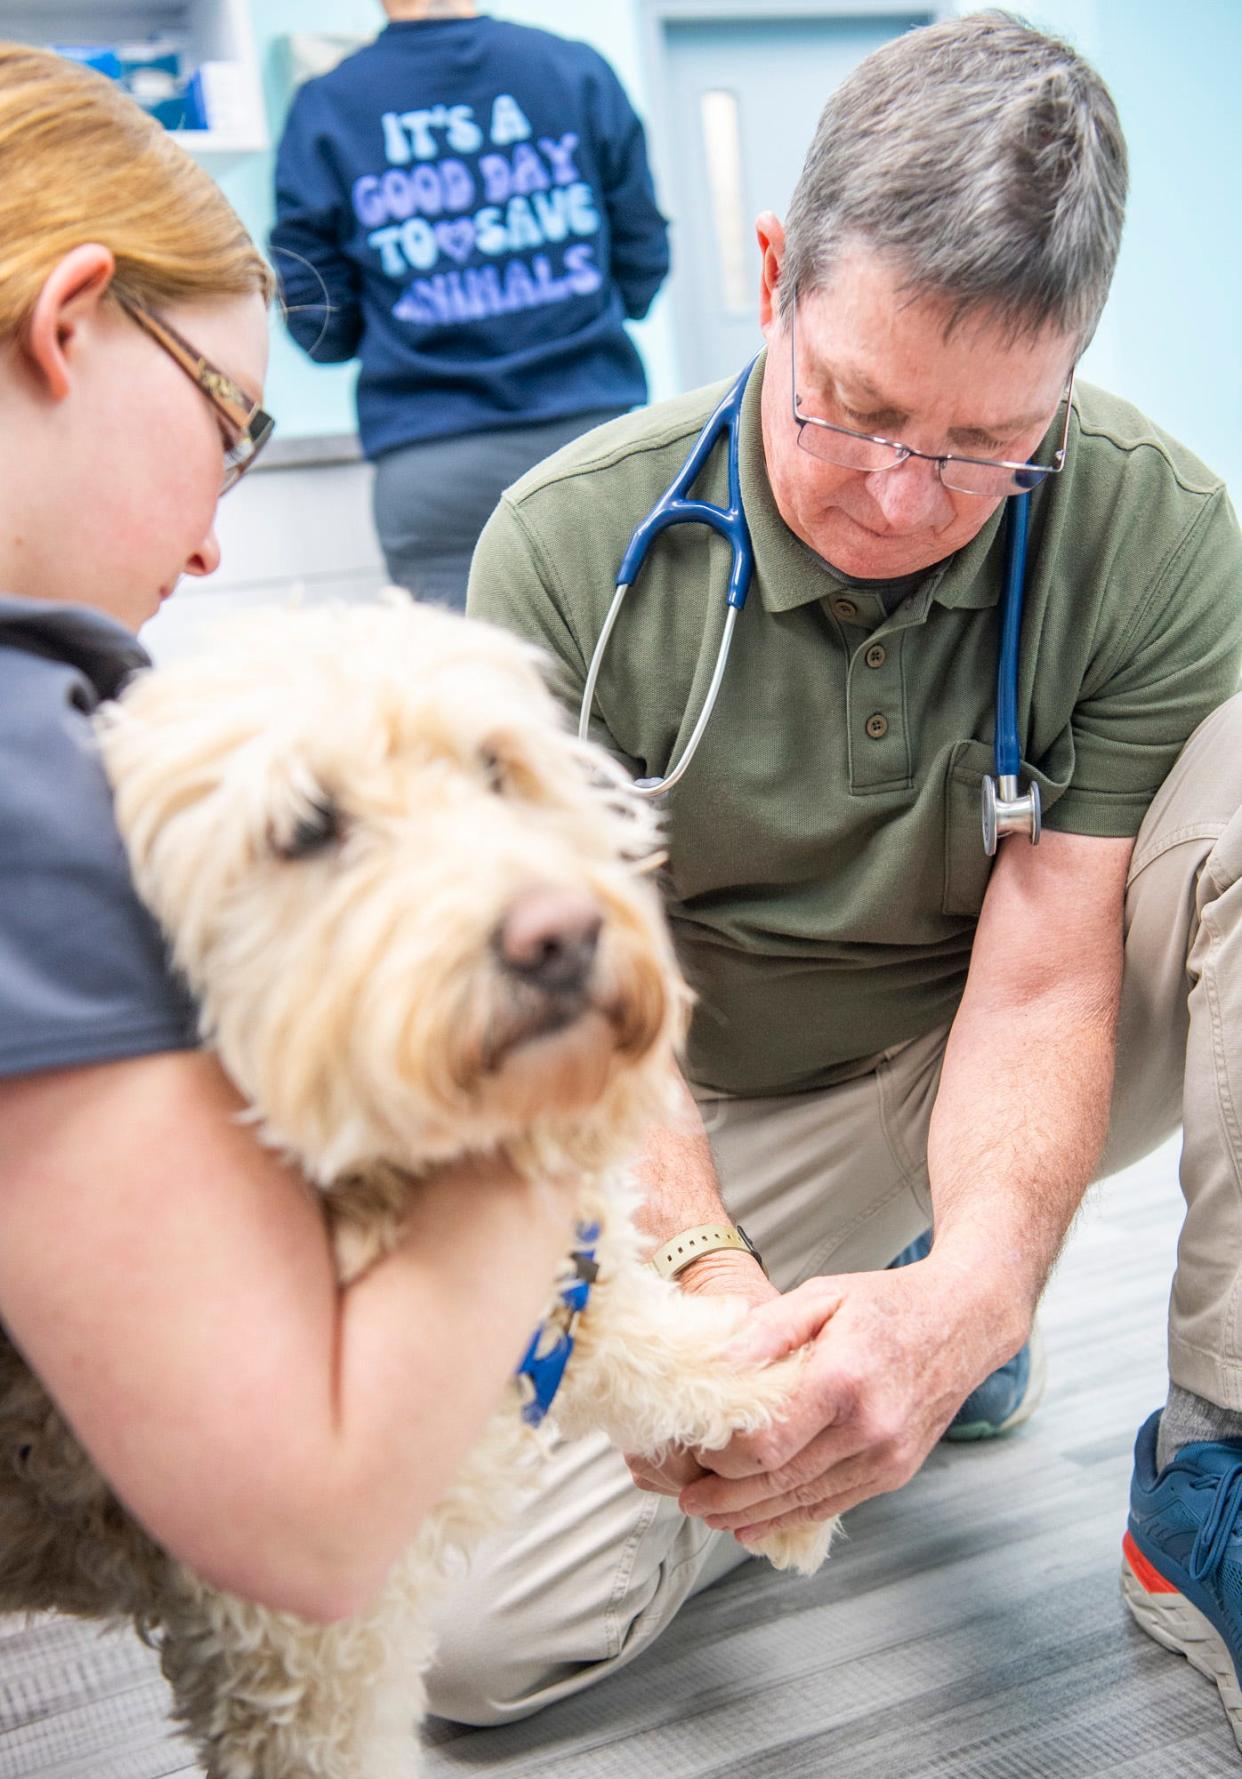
(540, 1373)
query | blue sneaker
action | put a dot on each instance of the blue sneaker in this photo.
(1005, 1399)
(1181, 1568)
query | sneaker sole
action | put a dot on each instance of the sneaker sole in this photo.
(1176, 1624)
(1031, 1398)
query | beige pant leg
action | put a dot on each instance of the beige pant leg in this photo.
(1180, 1042)
(593, 1569)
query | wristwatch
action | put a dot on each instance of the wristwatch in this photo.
(705, 1238)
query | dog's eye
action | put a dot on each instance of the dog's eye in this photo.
(494, 770)
(320, 828)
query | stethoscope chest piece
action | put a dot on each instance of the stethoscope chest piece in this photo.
(1006, 811)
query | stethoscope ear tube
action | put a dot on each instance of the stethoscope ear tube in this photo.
(1006, 809)
(673, 508)
(656, 787)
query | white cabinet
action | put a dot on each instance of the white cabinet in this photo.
(214, 33)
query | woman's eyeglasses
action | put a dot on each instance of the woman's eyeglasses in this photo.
(244, 424)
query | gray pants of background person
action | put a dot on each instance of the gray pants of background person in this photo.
(431, 500)
(836, 1181)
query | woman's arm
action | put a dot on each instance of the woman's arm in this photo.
(171, 1283)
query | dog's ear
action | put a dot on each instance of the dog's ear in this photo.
(175, 769)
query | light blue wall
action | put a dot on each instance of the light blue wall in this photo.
(1170, 339)
(1175, 73)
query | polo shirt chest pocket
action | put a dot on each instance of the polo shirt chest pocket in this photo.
(967, 867)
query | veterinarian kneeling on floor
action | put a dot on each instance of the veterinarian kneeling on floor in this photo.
(894, 1029)
(165, 1274)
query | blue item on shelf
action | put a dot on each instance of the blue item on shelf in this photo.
(197, 114)
(92, 55)
(153, 74)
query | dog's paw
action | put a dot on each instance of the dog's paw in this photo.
(803, 1548)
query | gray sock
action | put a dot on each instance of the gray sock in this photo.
(1187, 1417)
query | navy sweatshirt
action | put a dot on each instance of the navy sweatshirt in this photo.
(465, 206)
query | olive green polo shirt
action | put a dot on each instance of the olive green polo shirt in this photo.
(826, 869)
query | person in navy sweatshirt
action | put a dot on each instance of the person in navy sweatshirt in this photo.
(465, 206)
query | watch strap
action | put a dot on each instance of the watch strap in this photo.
(691, 1244)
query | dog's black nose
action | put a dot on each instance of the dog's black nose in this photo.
(549, 937)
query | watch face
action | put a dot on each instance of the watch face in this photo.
(751, 1248)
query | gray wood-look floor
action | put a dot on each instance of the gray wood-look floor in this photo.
(969, 1628)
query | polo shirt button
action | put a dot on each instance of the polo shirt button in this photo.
(877, 726)
(845, 608)
(876, 655)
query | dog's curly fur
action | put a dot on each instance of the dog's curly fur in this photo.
(331, 813)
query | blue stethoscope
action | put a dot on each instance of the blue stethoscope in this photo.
(1007, 809)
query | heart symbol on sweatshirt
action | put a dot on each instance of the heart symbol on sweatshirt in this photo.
(456, 238)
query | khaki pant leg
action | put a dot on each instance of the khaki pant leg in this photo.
(1170, 875)
(593, 1569)
(1180, 1041)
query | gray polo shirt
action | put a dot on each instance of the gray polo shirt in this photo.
(826, 869)
(84, 975)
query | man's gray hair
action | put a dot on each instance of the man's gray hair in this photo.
(987, 158)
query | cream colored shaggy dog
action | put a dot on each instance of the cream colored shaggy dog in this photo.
(362, 830)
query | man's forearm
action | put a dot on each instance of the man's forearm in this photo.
(681, 1190)
(1020, 1120)
(678, 1175)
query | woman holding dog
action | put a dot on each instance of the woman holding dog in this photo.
(169, 1279)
